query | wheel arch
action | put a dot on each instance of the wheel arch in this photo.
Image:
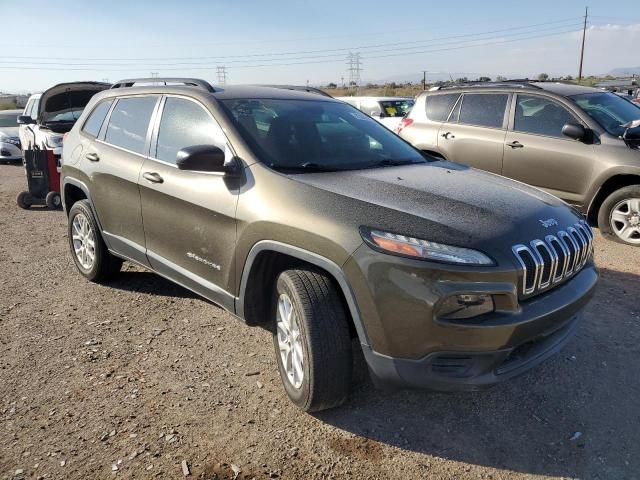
(613, 183)
(266, 260)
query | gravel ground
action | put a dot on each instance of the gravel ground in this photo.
(134, 378)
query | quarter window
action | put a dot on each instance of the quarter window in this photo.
(540, 116)
(439, 106)
(129, 122)
(482, 109)
(185, 124)
(96, 118)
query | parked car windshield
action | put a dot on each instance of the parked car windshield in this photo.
(8, 120)
(308, 135)
(609, 110)
(396, 108)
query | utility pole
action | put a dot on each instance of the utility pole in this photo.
(424, 80)
(154, 74)
(584, 34)
(342, 78)
(354, 65)
(222, 75)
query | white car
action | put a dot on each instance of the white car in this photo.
(389, 111)
(9, 140)
(49, 115)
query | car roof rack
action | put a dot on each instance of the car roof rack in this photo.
(299, 88)
(189, 82)
(522, 83)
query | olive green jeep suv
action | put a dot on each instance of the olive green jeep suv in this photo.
(578, 143)
(301, 214)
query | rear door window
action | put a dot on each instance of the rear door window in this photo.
(129, 123)
(439, 106)
(96, 118)
(483, 109)
(185, 123)
(540, 116)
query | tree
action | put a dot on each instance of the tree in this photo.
(543, 77)
(462, 80)
(500, 78)
(332, 85)
(484, 79)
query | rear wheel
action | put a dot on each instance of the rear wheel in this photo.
(23, 200)
(53, 200)
(312, 340)
(619, 216)
(88, 250)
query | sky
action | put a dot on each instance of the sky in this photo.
(297, 41)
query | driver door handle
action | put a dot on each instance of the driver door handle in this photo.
(515, 144)
(153, 177)
(93, 157)
(448, 135)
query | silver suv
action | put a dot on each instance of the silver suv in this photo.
(578, 143)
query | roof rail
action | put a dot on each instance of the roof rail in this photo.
(524, 83)
(189, 82)
(299, 88)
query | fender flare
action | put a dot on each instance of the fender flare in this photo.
(310, 257)
(82, 186)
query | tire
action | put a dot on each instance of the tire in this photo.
(23, 200)
(53, 200)
(619, 216)
(323, 337)
(95, 262)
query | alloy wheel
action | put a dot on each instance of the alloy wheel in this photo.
(290, 341)
(84, 242)
(625, 220)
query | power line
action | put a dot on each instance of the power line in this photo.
(419, 44)
(71, 68)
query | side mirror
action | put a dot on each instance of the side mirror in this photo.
(25, 120)
(574, 131)
(201, 158)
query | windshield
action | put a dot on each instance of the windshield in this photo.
(396, 108)
(310, 135)
(68, 116)
(8, 120)
(609, 110)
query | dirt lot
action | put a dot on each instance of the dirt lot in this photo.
(130, 379)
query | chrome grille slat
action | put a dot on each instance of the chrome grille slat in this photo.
(540, 261)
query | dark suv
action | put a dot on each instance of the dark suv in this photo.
(578, 143)
(299, 213)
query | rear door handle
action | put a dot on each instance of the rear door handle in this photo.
(448, 135)
(515, 144)
(153, 177)
(93, 157)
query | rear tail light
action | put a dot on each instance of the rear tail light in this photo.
(405, 122)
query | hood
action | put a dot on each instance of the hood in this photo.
(8, 132)
(447, 202)
(65, 101)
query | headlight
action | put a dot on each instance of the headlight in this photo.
(54, 141)
(418, 248)
(13, 141)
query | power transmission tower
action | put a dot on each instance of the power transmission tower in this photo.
(584, 34)
(154, 74)
(354, 67)
(222, 75)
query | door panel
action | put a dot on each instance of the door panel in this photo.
(474, 133)
(114, 174)
(537, 153)
(189, 217)
(477, 147)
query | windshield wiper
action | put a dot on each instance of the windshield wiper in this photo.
(305, 167)
(388, 162)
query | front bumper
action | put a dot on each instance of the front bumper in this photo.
(424, 352)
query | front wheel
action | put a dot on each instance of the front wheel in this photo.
(619, 216)
(312, 340)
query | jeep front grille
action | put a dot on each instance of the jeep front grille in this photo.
(545, 263)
